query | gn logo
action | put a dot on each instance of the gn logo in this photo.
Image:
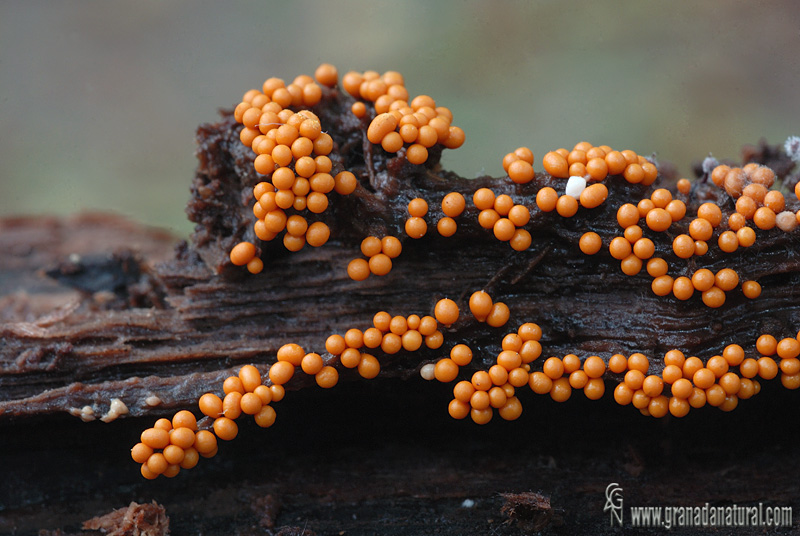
(614, 503)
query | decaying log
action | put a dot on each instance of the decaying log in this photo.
(184, 323)
(95, 309)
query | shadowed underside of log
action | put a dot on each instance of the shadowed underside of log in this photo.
(96, 309)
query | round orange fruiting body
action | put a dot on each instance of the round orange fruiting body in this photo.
(446, 311)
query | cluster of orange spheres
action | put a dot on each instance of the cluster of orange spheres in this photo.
(416, 126)
(416, 227)
(292, 151)
(687, 383)
(453, 205)
(596, 163)
(390, 334)
(750, 187)
(243, 394)
(504, 217)
(684, 383)
(293, 155)
(379, 252)
(519, 165)
(484, 309)
(559, 376)
(494, 389)
(290, 356)
(660, 211)
(172, 445)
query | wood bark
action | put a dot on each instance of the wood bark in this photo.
(95, 308)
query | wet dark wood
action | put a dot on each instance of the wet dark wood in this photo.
(175, 326)
(95, 308)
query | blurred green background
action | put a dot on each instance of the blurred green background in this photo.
(99, 100)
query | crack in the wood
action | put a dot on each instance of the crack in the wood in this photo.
(494, 283)
(367, 148)
(532, 264)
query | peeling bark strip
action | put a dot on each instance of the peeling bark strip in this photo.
(135, 520)
(156, 329)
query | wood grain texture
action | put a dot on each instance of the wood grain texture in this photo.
(128, 312)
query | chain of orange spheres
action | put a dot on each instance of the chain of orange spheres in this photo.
(493, 389)
(416, 126)
(683, 384)
(169, 446)
(243, 394)
(390, 334)
(172, 445)
(596, 163)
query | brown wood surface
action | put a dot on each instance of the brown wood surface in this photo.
(127, 312)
